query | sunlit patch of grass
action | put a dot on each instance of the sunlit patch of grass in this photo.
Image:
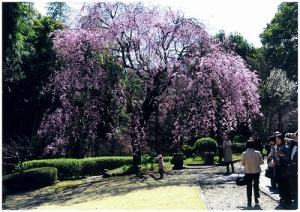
(62, 185)
(168, 197)
(154, 167)
(119, 171)
(236, 156)
(194, 161)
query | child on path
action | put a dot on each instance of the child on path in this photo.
(160, 166)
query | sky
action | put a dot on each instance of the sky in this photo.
(247, 17)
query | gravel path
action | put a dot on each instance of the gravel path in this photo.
(231, 197)
(221, 193)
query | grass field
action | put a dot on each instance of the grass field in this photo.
(199, 161)
(176, 190)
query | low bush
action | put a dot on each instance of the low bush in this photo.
(96, 166)
(148, 159)
(238, 139)
(238, 147)
(188, 150)
(29, 179)
(69, 168)
(205, 144)
(167, 158)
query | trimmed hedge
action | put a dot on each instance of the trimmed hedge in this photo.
(205, 144)
(69, 168)
(29, 179)
(238, 147)
(239, 139)
(188, 150)
(96, 166)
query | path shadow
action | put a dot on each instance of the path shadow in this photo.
(249, 208)
(273, 190)
(155, 178)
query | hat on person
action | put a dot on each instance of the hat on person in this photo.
(277, 133)
(289, 135)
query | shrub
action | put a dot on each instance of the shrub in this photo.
(188, 150)
(167, 158)
(238, 139)
(148, 159)
(96, 166)
(69, 168)
(29, 179)
(238, 147)
(205, 144)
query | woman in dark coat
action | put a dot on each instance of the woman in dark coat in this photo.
(283, 171)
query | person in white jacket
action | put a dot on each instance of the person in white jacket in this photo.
(251, 160)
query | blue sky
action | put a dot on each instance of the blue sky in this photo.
(248, 17)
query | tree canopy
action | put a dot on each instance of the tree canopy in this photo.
(280, 40)
(182, 73)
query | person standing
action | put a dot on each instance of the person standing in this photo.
(160, 166)
(227, 152)
(293, 168)
(251, 160)
(294, 180)
(272, 160)
(283, 171)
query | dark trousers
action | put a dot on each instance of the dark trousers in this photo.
(161, 173)
(294, 182)
(252, 179)
(284, 184)
(273, 182)
(227, 166)
(274, 178)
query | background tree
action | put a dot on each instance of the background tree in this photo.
(58, 10)
(84, 88)
(280, 40)
(17, 26)
(263, 60)
(27, 63)
(254, 57)
(279, 96)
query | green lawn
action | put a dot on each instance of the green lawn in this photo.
(199, 161)
(174, 191)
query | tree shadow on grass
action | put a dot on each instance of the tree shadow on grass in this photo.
(93, 190)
